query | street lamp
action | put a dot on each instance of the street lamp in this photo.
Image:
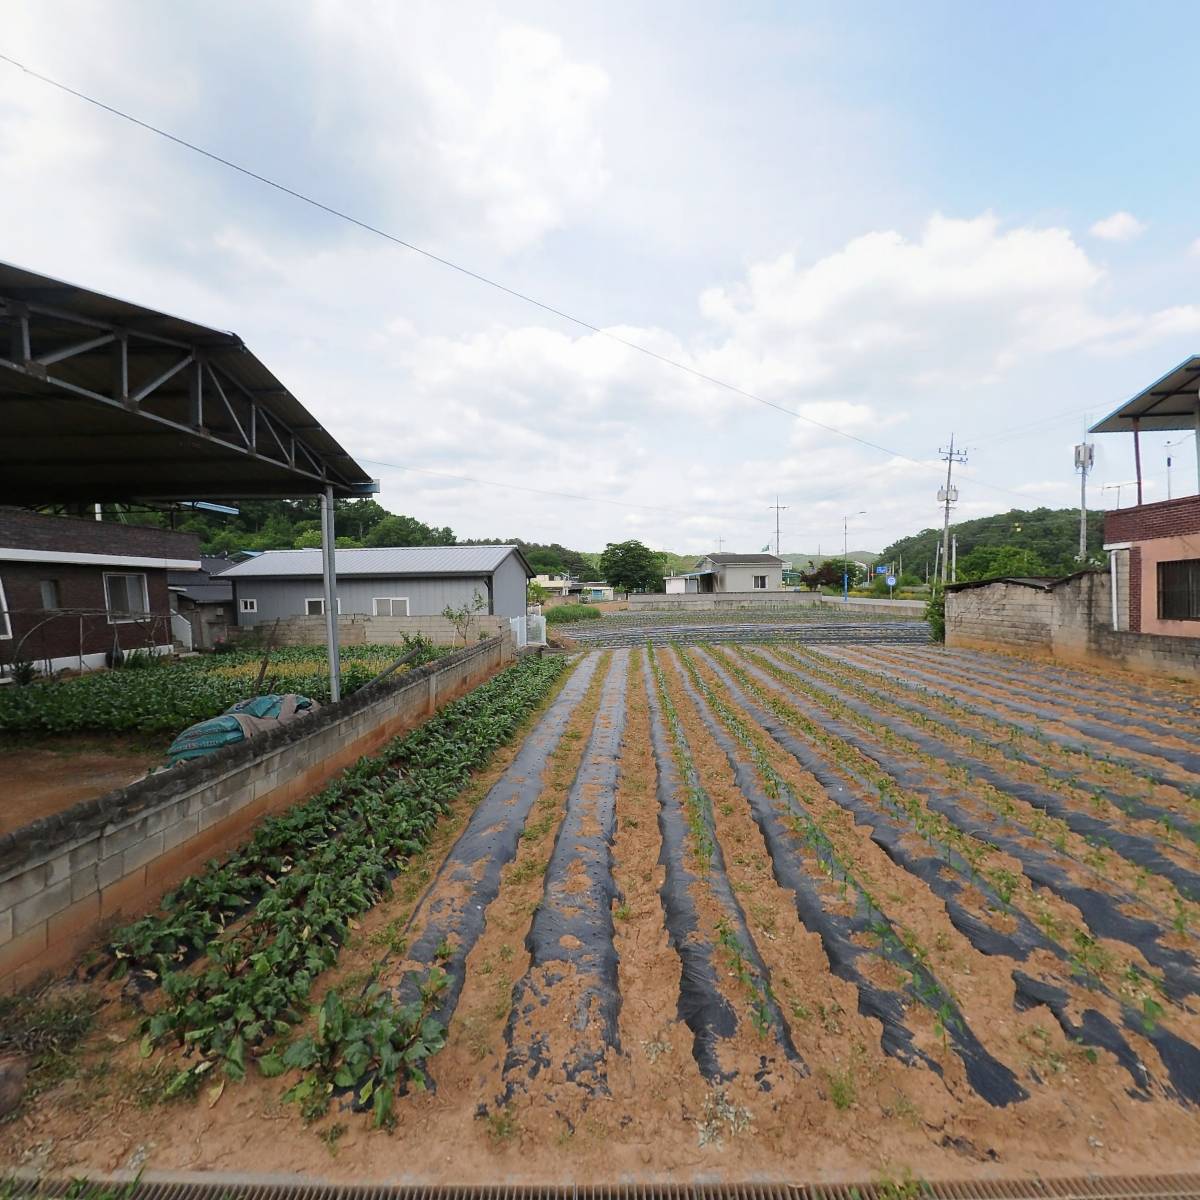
(862, 512)
(1118, 486)
(1167, 446)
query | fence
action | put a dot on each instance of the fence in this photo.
(362, 630)
(528, 630)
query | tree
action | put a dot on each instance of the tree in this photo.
(535, 593)
(998, 562)
(408, 531)
(828, 574)
(631, 566)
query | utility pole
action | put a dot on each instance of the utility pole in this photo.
(1085, 457)
(778, 509)
(948, 495)
(720, 544)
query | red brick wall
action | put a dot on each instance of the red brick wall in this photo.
(36, 531)
(1168, 518)
(1135, 590)
(79, 587)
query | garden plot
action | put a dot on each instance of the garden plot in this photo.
(725, 911)
(808, 623)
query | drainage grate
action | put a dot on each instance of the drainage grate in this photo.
(1117, 1187)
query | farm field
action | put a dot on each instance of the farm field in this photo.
(740, 912)
(803, 623)
(162, 696)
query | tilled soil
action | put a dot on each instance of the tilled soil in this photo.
(763, 912)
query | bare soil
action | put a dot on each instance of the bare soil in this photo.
(45, 777)
(847, 1109)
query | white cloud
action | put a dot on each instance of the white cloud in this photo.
(1120, 227)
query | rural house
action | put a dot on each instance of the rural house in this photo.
(76, 592)
(730, 573)
(204, 602)
(394, 581)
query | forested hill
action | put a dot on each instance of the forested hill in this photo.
(295, 524)
(1040, 541)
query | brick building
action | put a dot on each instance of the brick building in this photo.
(1155, 551)
(75, 591)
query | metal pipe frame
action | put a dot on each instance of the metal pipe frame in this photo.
(329, 572)
(254, 432)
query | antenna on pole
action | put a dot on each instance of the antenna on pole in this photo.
(720, 544)
(1085, 458)
(778, 509)
(948, 495)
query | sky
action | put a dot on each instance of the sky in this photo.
(897, 222)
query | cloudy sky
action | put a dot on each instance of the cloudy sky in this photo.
(897, 221)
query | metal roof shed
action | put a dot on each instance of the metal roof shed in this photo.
(1168, 404)
(103, 400)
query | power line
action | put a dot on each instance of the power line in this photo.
(477, 276)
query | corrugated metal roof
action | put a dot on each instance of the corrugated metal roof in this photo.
(385, 560)
(1167, 404)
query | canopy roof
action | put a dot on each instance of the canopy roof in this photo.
(1169, 403)
(102, 400)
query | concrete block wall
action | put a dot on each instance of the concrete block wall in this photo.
(697, 601)
(1071, 621)
(361, 630)
(66, 878)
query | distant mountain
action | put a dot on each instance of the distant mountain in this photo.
(801, 561)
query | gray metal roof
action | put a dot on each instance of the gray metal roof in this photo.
(386, 560)
(107, 400)
(1168, 403)
(737, 560)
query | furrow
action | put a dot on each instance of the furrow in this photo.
(565, 1007)
(990, 1078)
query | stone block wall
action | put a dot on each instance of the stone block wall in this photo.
(361, 630)
(67, 877)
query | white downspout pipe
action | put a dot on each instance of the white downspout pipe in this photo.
(329, 571)
(1112, 564)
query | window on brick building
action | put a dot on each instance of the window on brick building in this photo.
(126, 597)
(5, 627)
(50, 595)
(1179, 590)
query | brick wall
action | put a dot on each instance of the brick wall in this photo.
(36, 531)
(1167, 518)
(41, 634)
(69, 876)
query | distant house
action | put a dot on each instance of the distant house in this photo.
(77, 593)
(204, 601)
(556, 585)
(729, 573)
(396, 581)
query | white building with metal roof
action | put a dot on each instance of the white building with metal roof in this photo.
(391, 581)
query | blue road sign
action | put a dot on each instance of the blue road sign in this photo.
(881, 570)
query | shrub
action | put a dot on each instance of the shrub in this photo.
(935, 614)
(565, 614)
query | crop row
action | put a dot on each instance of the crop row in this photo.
(307, 874)
(162, 696)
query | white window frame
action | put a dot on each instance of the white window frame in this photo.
(321, 601)
(5, 624)
(759, 587)
(247, 604)
(129, 620)
(391, 602)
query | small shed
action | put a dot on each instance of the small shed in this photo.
(392, 581)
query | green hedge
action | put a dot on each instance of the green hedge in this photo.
(565, 614)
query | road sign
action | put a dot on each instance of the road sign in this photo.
(881, 570)
(891, 581)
